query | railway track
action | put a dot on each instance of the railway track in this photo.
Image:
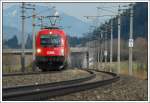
(48, 90)
(28, 73)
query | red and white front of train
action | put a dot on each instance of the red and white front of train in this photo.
(51, 49)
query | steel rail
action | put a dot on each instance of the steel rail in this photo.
(52, 84)
(10, 91)
(28, 73)
(31, 73)
(48, 92)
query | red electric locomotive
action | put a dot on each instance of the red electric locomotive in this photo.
(52, 49)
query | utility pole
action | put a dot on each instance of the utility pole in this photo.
(33, 36)
(111, 45)
(30, 6)
(119, 24)
(105, 52)
(23, 7)
(101, 48)
(98, 44)
(131, 39)
(23, 41)
(95, 53)
(88, 47)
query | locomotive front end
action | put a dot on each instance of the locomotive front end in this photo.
(50, 50)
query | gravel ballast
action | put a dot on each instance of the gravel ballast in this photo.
(69, 74)
(126, 89)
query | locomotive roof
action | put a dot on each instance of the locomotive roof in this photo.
(55, 30)
(51, 28)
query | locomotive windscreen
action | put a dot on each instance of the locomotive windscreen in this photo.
(50, 40)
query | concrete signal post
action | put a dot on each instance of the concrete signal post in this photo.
(131, 39)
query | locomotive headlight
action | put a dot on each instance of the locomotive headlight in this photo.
(62, 51)
(38, 50)
(62, 41)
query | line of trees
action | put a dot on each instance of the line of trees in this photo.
(14, 43)
(140, 33)
(140, 24)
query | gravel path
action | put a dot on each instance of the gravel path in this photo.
(11, 81)
(127, 88)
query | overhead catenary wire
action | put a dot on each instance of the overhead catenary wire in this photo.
(24, 7)
(119, 25)
(46, 10)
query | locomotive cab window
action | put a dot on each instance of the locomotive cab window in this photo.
(50, 40)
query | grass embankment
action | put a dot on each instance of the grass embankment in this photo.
(16, 68)
(139, 69)
(12, 63)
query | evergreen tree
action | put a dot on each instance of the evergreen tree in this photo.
(29, 42)
(13, 42)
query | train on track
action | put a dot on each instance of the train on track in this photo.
(52, 49)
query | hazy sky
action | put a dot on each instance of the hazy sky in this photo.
(82, 9)
(88, 9)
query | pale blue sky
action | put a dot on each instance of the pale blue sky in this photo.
(82, 9)
(87, 9)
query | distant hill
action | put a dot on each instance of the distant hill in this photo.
(140, 23)
(12, 26)
(9, 32)
(12, 22)
(11, 43)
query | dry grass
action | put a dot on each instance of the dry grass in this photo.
(139, 69)
(11, 63)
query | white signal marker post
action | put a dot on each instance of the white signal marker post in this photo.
(131, 39)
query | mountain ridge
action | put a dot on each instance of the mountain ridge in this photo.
(12, 20)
